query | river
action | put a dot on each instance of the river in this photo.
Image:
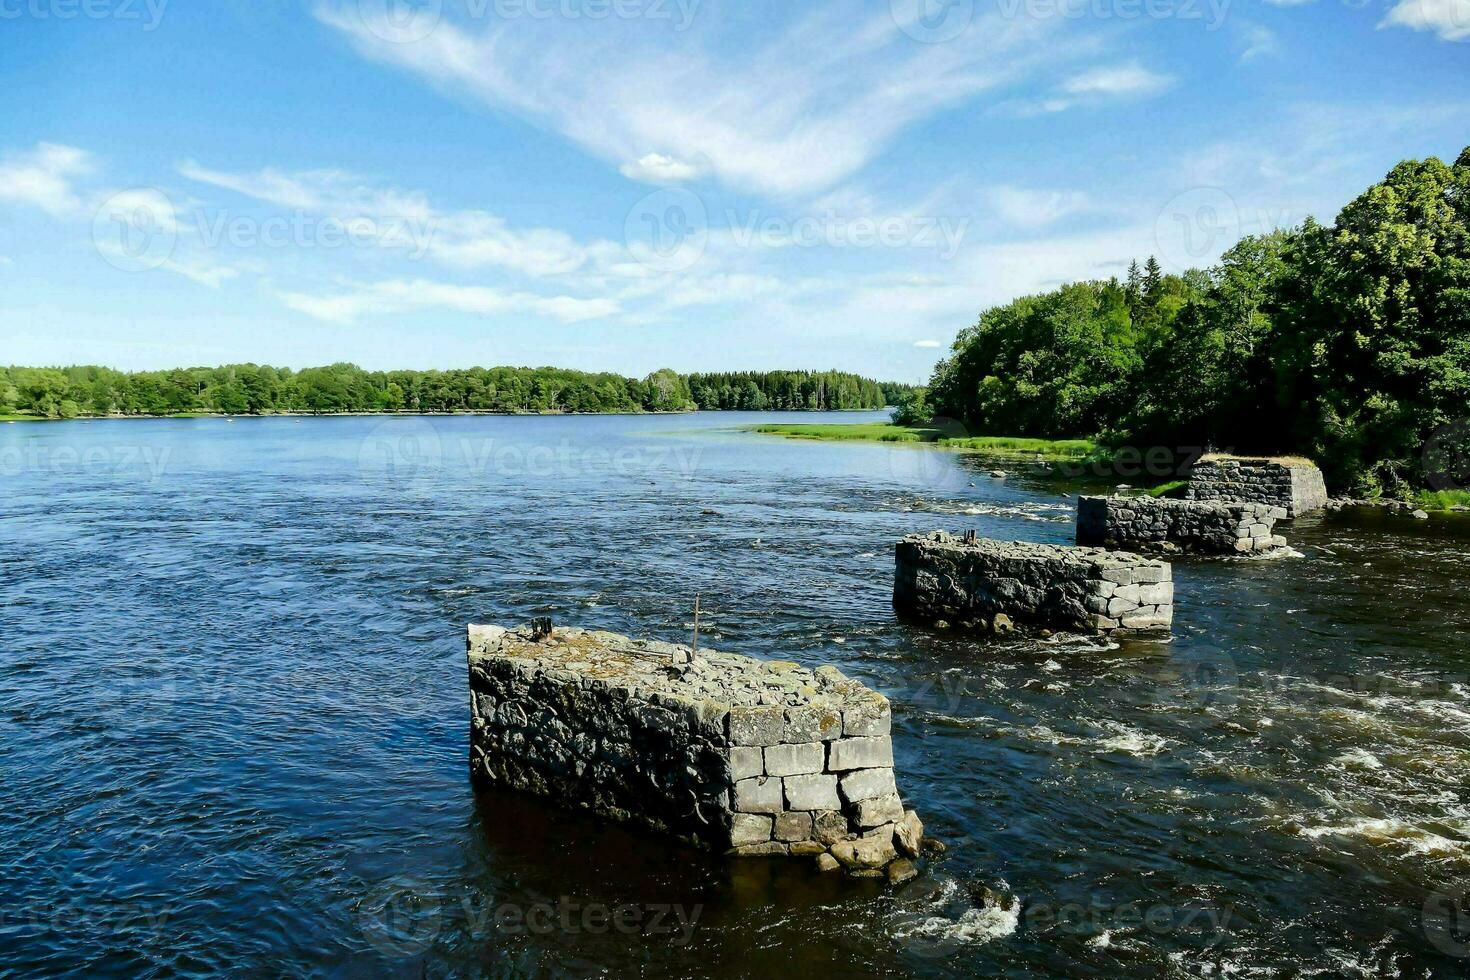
(234, 716)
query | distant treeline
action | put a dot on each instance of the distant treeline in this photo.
(250, 389)
(1349, 343)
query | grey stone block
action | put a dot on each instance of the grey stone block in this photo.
(793, 826)
(815, 722)
(749, 828)
(759, 795)
(860, 753)
(814, 792)
(757, 725)
(871, 716)
(876, 813)
(795, 760)
(868, 784)
(747, 761)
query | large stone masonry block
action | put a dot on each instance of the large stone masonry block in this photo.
(1294, 485)
(976, 583)
(754, 758)
(1151, 523)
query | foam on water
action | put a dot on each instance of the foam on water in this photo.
(1393, 833)
(944, 921)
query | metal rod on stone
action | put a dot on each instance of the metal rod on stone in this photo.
(694, 650)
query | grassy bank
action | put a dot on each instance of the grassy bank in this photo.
(1443, 499)
(1071, 449)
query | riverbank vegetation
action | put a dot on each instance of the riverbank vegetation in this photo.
(250, 389)
(1443, 499)
(1347, 343)
(1068, 449)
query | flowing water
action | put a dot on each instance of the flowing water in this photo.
(233, 715)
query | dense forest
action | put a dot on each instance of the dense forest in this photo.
(249, 389)
(1347, 343)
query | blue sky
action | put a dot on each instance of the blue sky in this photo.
(630, 184)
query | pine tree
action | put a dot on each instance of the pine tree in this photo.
(1153, 278)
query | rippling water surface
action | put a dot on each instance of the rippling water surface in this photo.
(233, 715)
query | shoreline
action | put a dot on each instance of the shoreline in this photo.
(189, 416)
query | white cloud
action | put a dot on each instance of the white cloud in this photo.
(1256, 41)
(397, 296)
(43, 177)
(1033, 209)
(812, 105)
(929, 344)
(1450, 19)
(655, 168)
(1117, 80)
(6, 262)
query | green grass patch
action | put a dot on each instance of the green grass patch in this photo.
(1072, 449)
(1174, 488)
(868, 432)
(1443, 499)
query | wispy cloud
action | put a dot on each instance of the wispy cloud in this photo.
(800, 112)
(1095, 86)
(1450, 19)
(1027, 208)
(398, 296)
(1256, 41)
(468, 239)
(201, 271)
(43, 177)
(929, 344)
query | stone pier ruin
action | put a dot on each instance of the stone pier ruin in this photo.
(1294, 485)
(975, 583)
(752, 758)
(1184, 525)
